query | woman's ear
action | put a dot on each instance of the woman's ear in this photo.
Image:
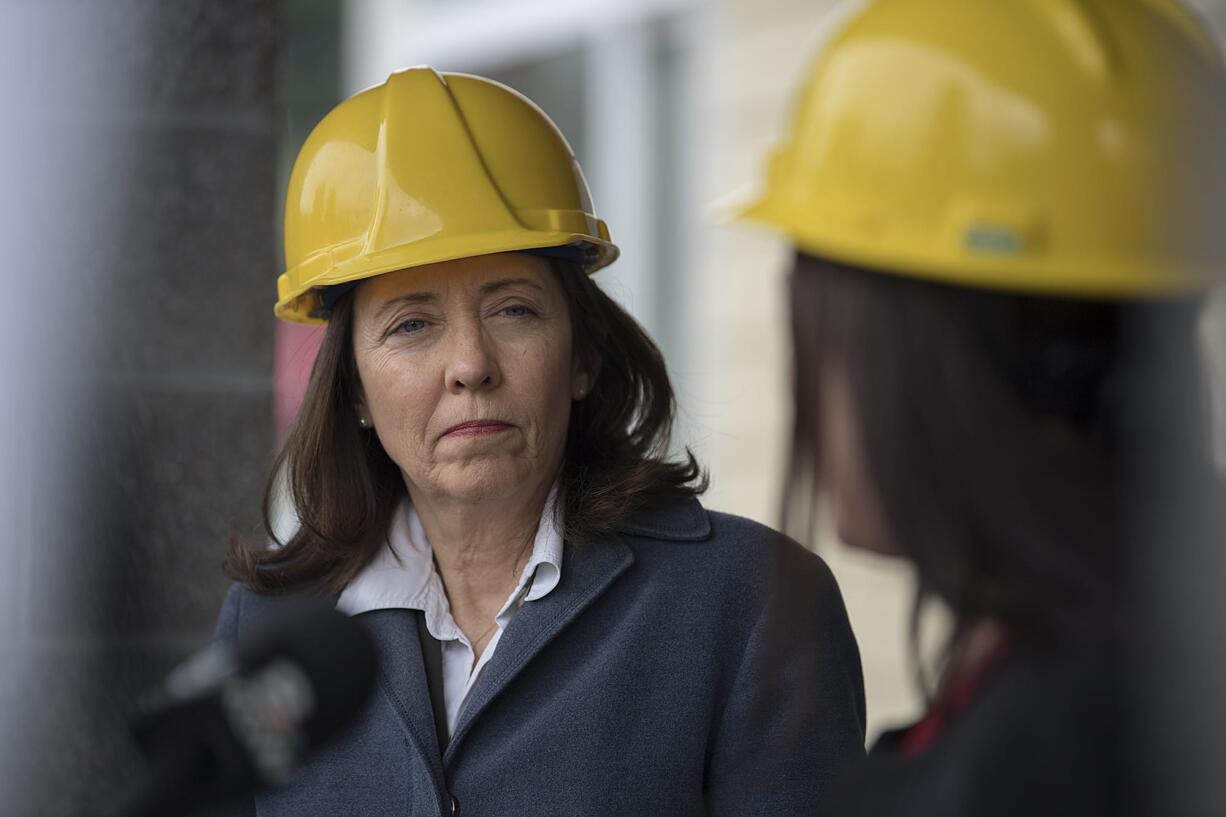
(361, 411)
(583, 377)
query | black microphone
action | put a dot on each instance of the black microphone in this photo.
(237, 718)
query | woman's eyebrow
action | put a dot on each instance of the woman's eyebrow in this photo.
(427, 297)
(503, 283)
(408, 298)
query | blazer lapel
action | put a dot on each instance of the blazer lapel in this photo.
(586, 573)
(402, 678)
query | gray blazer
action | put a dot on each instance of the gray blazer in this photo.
(694, 663)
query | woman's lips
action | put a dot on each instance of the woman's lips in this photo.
(477, 428)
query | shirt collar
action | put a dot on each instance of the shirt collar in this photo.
(402, 575)
(544, 569)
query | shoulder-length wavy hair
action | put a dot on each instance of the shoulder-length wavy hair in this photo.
(344, 488)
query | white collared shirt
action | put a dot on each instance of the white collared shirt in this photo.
(403, 577)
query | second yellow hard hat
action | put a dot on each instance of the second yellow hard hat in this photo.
(1061, 147)
(424, 168)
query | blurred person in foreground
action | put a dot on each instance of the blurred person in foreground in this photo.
(479, 472)
(1006, 215)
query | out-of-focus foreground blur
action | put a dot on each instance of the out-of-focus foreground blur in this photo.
(145, 150)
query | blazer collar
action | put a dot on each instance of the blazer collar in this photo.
(402, 678)
(587, 572)
(683, 522)
(402, 674)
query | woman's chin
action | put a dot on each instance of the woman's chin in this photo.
(487, 480)
(866, 541)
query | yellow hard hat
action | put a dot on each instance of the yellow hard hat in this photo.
(1058, 147)
(429, 167)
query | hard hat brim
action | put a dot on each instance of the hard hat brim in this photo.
(343, 265)
(1022, 269)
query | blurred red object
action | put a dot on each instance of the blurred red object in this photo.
(296, 347)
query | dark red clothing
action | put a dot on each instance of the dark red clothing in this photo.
(959, 692)
(1029, 736)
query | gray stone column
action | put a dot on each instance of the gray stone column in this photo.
(150, 440)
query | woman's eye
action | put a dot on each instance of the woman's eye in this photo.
(517, 311)
(412, 325)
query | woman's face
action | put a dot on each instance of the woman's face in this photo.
(854, 500)
(467, 373)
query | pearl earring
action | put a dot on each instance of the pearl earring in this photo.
(363, 422)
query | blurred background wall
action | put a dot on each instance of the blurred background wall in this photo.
(148, 383)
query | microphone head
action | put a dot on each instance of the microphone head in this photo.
(245, 715)
(333, 652)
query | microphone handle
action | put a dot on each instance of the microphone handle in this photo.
(161, 792)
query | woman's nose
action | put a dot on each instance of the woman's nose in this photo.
(471, 362)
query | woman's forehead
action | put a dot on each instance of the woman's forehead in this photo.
(477, 275)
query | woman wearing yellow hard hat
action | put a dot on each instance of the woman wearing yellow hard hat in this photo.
(480, 474)
(1005, 216)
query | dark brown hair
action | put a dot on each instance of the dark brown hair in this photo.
(345, 488)
(996, 429)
